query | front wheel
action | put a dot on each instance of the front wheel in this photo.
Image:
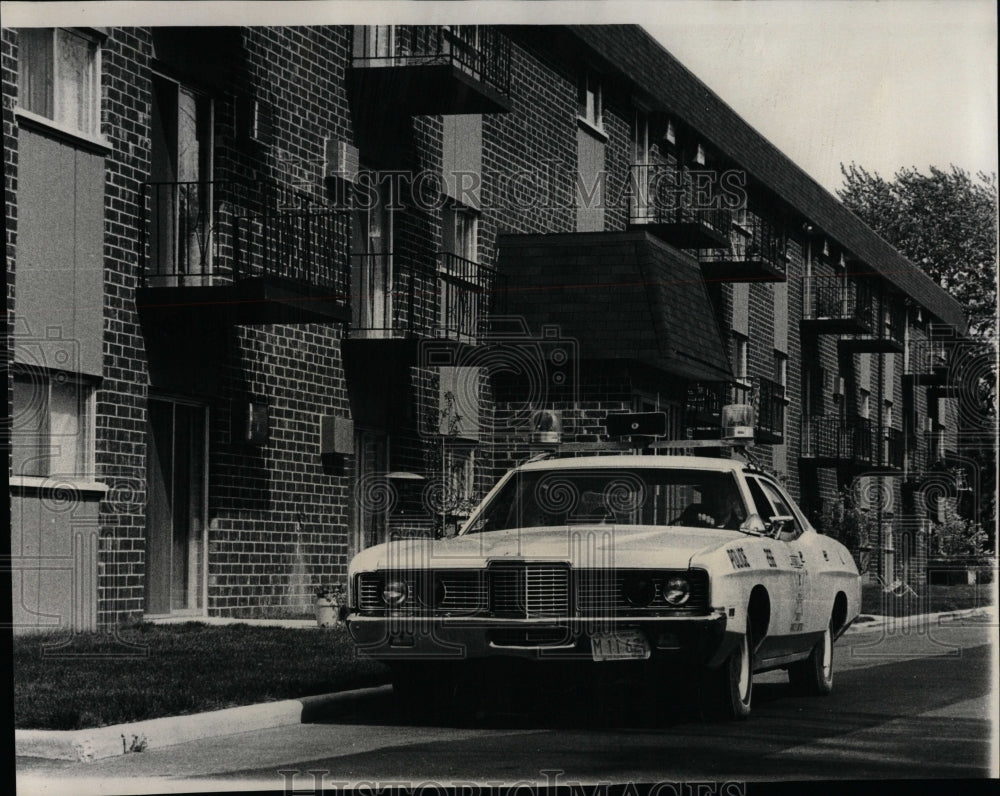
(814, 675)
(730, 687)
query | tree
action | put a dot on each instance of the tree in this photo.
(850, 525)
(954, 536)
(944, 222)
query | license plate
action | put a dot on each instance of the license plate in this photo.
(619, 646)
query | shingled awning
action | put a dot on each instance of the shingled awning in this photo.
(623, 296)
(673, 88)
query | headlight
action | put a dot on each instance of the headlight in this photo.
(395, 592)
(676, 591)
(639, 589)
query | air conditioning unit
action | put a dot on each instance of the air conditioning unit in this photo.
(737, 422)
(342, 160)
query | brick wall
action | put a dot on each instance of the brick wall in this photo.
(121, 399)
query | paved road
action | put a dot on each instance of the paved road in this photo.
(908, 702)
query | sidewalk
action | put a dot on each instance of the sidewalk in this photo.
(867, 623)
(101, 742)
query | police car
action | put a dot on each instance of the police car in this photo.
(646, 559)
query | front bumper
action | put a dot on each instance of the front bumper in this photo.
(388, 638)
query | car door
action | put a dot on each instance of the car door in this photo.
(791, 605)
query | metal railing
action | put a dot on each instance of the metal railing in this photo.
(467, 289)
(926, 356)
(180, 232)
(664, 193)
(755, 240)
(392, 296)
(199, 234)
(480, 51)
(308, 246)
(705, 399)
(846, 440)
(836, 298)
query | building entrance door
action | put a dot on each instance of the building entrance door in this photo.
(175, 507)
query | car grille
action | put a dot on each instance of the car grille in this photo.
(530, 590)
(459, 592)
(526, 590)
(600, 591)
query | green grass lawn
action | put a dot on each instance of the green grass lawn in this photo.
(65, 682)
(929, 599)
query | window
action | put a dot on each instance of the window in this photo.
(59, 73)
(865, 404)
(460, 232)
(781, 370)
(460, 277)
(740, 365)
(52, 419)
(589, 100)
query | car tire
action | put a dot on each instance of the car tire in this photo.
(730, 687)
(814, 675)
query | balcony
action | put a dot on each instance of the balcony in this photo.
(703, 408)
(927, 364)
(837, 306)
(832, 441)
(756, 253)
(888, 324)
(666, 202)
(397, 297)
(430, 69)
(238, 253)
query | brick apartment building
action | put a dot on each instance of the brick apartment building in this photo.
(275, 293)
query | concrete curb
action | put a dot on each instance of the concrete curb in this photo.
(881, 622)
(119, 739)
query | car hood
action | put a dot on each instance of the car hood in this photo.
(620, 546)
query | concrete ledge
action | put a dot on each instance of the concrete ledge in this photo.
(880, 623)
(119, 739)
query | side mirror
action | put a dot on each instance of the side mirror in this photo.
(754, 524)
(782, 524)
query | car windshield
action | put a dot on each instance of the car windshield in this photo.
(623, 496)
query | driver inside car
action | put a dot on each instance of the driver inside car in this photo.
(720, 507)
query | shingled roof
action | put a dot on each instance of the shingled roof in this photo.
(620, 296)
(644, 62)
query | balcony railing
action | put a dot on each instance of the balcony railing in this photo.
(467, 290)
(666, 198)
(839, 305)
(887, 324)
(703, 408)
(480, 51)
(926, 363)
(769, 398)
(264, 245)
(838, 441)
(397, 297)
(182, 224)
(310, 247)
(756, 252)
(392, 296)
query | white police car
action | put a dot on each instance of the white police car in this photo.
(651, 559)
